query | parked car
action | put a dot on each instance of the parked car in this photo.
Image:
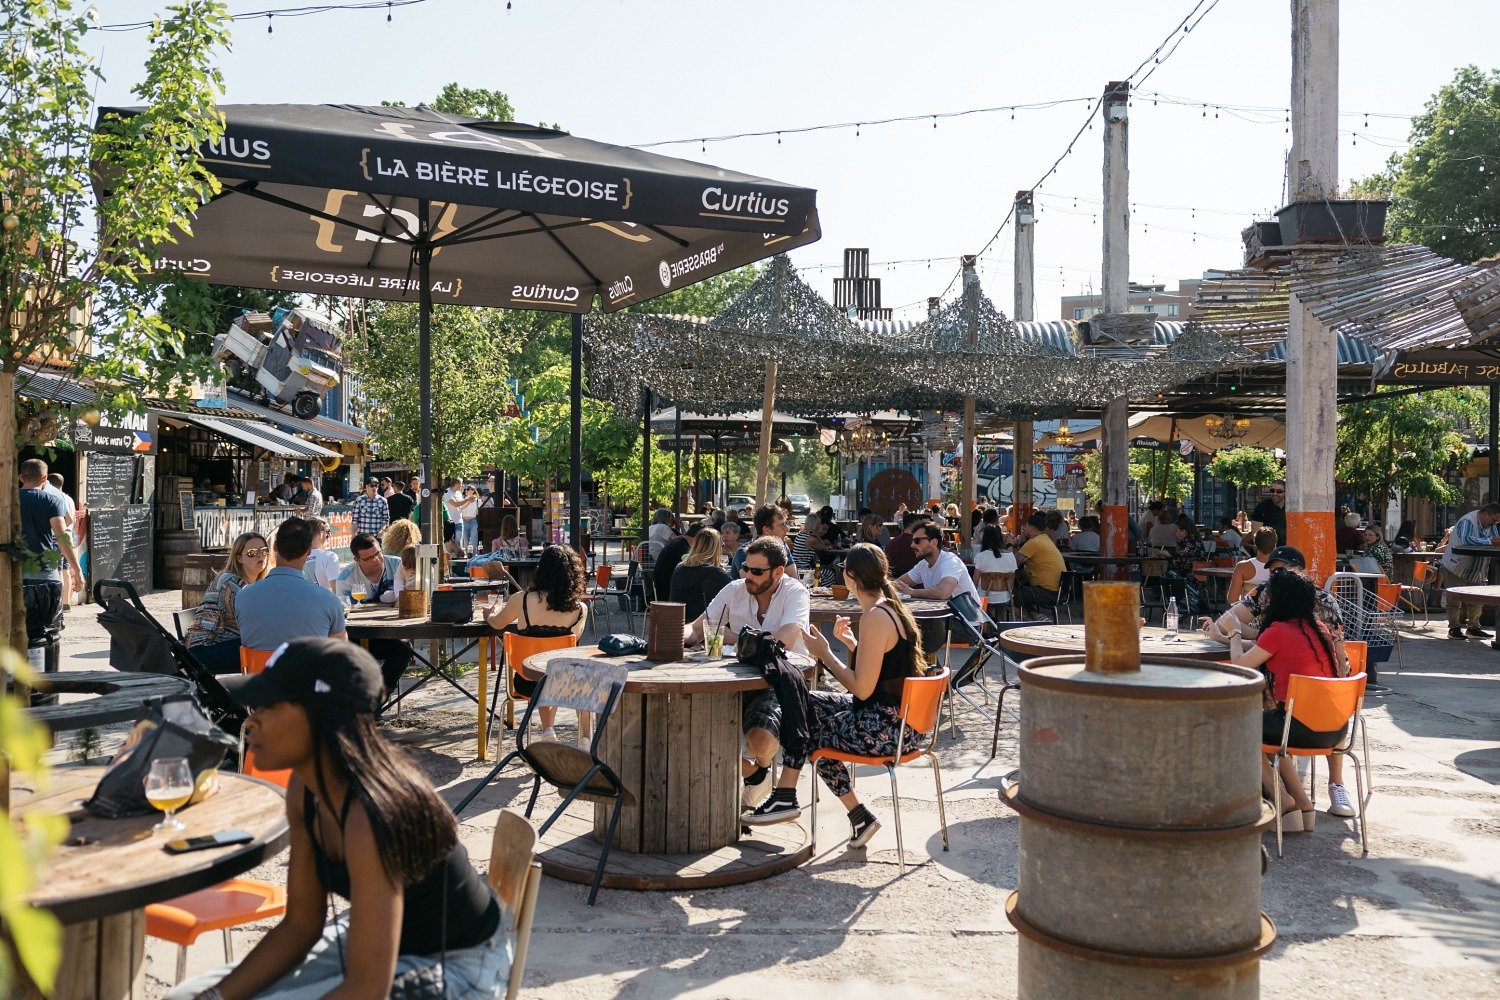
(739, 501)
(801, 503)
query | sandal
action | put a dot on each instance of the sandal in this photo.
(1292, 820)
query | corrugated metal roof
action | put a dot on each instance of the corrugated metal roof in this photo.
(258, 435)
(66, 389)
(321, 428)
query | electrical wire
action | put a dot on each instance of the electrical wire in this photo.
(270, 13)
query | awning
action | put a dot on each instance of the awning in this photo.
(256, 435)
(321, 428)
(57, 388)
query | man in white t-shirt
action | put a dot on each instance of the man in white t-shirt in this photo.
(765, 597)
(938, 574)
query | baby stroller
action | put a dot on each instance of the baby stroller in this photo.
(138, 642)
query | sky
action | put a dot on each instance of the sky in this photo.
(1208, 136)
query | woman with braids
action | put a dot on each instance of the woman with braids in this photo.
(367, 825)
(867, 720)
(1292, 640)
(549, 607)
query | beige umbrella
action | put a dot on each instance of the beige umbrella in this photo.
(1260, 432)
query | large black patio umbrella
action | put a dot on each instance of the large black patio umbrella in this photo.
(411, 203)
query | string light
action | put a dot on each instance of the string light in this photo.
(301, 11)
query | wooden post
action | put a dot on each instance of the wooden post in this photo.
(767, 426)
(645, 464)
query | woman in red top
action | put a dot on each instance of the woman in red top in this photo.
(1291, 641)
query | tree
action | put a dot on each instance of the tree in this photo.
(1401, 442)
(1245, 467)
(1440, 187)
(470, 365)
(72, 276)
(537, 446)
(1150, 473)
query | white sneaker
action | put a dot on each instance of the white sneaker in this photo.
(1338, 802)
(760, 791)
(549, 734)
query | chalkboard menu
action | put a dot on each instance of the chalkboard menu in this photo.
(109, 480)
(120, 545)
(189, 515)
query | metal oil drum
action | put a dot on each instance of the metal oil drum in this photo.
(1139, 842)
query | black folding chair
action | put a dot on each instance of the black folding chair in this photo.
(980, 634)
(578, 773)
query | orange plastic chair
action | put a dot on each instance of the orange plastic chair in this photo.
(478, 573)
(1324, 704)
(517, 648)
(253, 661)
(1357, 652)
(219, 908)
(921, 699)
(1418, 586)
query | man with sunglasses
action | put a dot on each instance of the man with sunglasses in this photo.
(1271, 512)
(765, 597)
(938, 574)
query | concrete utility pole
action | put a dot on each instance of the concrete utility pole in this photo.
(1116, 274)
(1024, 312)
(967, 473)
(1311, 348)
(934, 455)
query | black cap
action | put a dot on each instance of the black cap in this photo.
(372, 481)
(328, 670)
(1287, 554)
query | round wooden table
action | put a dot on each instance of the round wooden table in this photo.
(107, 871)
(674, 740)
(118, 696)
(1058, 640)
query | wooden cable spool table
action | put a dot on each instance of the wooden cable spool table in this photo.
(674, 740)
(118, 697)
(1058, 640)
(822, 608)
(99, 882)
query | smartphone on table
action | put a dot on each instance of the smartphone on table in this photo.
(224, 838)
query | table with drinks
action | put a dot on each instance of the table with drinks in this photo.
(365, 622)
(99, 881)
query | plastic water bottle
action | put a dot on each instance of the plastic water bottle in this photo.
(1172, 618)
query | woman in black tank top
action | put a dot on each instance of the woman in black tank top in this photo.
(367, 825)
(550, 607)
(867, 720)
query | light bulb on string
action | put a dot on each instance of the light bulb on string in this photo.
(388, 13)
(268, 23)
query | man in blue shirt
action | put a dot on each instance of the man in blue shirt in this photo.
(285, 605)
(44, 531)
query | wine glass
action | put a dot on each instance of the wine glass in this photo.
(168, 788)
(357, 594)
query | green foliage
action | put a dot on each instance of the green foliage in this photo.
(537, 446)
(1245, 466)
(1440, 190)
(470, 364)
(35, 935)
(1155, 473)
(1402, 442)
(76, 263)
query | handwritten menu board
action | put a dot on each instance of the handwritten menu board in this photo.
(120, 545)
(109, 480)
(189, 513)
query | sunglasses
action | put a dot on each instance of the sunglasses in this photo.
(257, 552)
(1278, 493)
(756, 571)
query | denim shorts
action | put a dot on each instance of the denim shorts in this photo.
(477, 973)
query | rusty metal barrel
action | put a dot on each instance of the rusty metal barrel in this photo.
(1139, 842)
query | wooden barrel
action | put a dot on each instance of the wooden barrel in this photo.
(1139, 842)
(199, 569)
(171, 547)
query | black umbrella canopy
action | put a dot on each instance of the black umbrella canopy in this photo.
(394, 203)
(337, 199)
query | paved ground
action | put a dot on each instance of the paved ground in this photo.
(1414, 919)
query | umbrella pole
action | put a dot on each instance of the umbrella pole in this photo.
(645, 462)
(767, 405)
(575, 442)
(424, 373)
(677, 462)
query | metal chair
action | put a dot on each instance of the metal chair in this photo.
(978, 634)
(515, 649)
(921, 700)
(1418, 586)
(574, 771)
(1323, 704)
(516, 876)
